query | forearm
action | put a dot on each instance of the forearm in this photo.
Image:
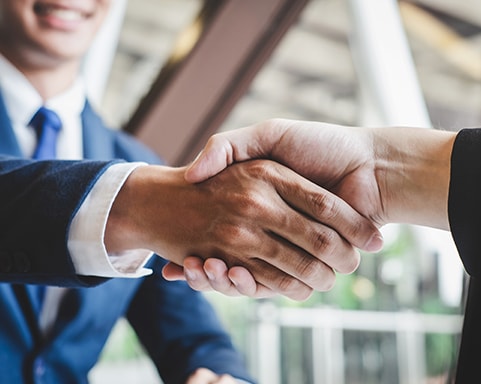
(156, 209)
(127, 226)
(412, 168)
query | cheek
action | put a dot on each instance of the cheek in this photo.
(104, 3)
(101, 13)
(103, 9)
(20, 32)
(19, 23)
(14, 16)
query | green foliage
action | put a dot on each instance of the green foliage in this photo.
(440, 353)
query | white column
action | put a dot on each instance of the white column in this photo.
(98, 62)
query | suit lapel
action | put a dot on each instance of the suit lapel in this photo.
(25, 295)
(98, 141)
(8, 141)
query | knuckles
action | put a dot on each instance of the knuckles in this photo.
(293, 288)
(324, 205)
(324, 242)
(319, 275)
(312, 271)
(328, 245)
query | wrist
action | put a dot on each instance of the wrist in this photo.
(413, 171)
(132, 223)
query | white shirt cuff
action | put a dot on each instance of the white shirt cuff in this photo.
(87, 230)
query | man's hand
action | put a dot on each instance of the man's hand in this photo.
(386, 174)
(206, 376)
(338, 158)
(288, 232)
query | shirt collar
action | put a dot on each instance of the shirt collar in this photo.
(22, 100)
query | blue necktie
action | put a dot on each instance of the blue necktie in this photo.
(47, 125)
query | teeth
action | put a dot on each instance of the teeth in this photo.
(61, 13)
(66, 14)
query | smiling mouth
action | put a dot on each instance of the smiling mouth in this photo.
(67, 14)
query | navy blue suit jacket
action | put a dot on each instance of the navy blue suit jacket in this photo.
(177, 326)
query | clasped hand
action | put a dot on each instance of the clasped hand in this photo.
(388, 175)
(288, 232)
(290, 235)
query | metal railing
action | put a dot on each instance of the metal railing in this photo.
(328, 327)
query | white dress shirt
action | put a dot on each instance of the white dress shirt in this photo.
(86, 234)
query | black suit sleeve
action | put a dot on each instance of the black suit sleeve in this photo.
(38, 200)
(465, 198)
(465, 220)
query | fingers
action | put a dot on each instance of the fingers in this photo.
(206, 376)
(328, 209)
(213, 274)
(172, 272)
(292, 272)
(246, 284)
(305, 239)
(292, 248)
(216, 272)
(214, 277)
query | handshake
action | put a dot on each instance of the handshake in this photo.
(281, 206)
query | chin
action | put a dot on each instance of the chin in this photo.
(65, 46)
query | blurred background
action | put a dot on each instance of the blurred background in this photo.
(356, 62)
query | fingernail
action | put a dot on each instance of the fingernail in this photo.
(210, 275)
(197, 157)
(191, 276)
(375, 243)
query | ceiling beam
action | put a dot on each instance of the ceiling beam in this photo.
(195, 91)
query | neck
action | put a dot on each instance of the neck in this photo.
(49, 82)
(48, 77)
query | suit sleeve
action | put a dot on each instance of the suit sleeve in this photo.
(38, 200)
(464, 206)
(181, 332)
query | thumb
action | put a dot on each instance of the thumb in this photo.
(216, 156)
(224, 149)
